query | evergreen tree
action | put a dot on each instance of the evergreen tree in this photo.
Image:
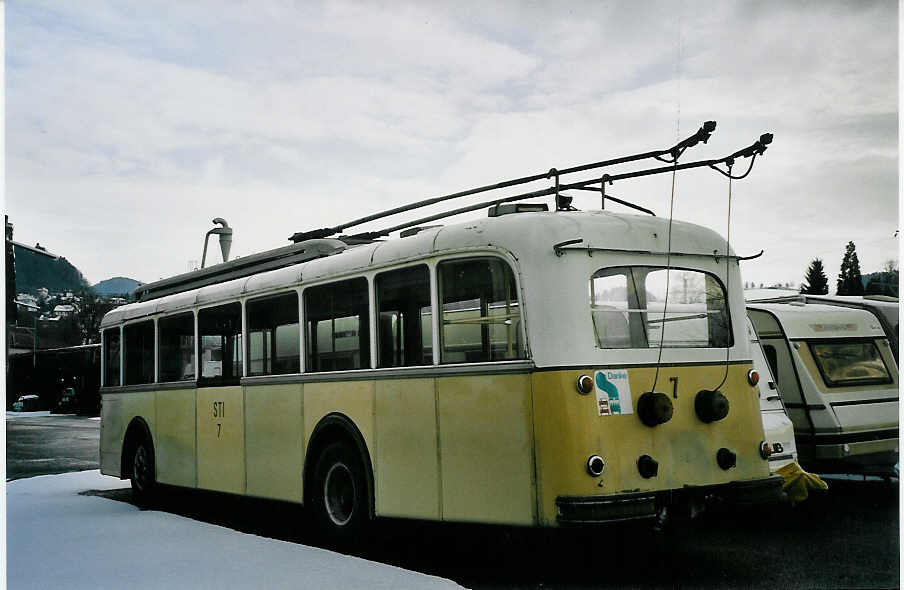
(815, 282)
(849, 279)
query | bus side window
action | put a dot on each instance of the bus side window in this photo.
(176, 336)
(405, 326)
(220, 340)
(111, 357)
(139, 353)
(480, 315)
(273, 337)
(337, 326)
(772, 359)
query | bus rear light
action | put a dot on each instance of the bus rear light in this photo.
(654, 408)
(595, 465)
(765, 450)
(753, 377)
(585, 384)
(726, 458)
(647, 466)
(711, 406)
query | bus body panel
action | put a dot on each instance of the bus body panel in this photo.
(119, 413)
(352, 399)
(176, 457)
(111, 433)
(569, 429)
(408, 480)
(273, 441)
(486, 448)
(221, 439)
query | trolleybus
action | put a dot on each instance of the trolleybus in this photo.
(532, 367)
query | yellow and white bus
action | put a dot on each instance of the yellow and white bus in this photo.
(503, 370)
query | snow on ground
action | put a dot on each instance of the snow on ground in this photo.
(27, 414)
(57, 538)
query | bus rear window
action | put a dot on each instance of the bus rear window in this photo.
(850, 363)
(629, 308)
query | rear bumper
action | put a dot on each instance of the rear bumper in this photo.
(584, 510)
(869, 452)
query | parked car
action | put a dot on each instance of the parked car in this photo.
(27, 403)
(777, 425)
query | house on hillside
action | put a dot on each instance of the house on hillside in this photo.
(64, 310)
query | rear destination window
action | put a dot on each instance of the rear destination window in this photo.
(627, 305)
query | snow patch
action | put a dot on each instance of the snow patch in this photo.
(57, 538)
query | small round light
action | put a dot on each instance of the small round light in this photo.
(585, 384)
(765, 450)
(595, 465)
(753, 377)
(726, 458)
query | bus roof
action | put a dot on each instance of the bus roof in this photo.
(529, 236)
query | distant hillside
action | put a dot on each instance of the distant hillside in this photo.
(116, 286)
(34, 270)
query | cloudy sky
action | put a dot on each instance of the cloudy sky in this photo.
(130, 125)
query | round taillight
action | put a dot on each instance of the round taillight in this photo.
(753, 377)
(595, 465)
(726, 458)
(585, 384)
(711, 406)
(765, 450)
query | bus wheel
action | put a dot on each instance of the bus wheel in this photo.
(143, 475)
(341, 506)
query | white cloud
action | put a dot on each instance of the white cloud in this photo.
(124, 117)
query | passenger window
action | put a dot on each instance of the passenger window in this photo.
(111, 357)
(176, 336)
(273, 336)
(405, 325)
(139, 353)
(220, 341)
(772, 359)
(480, 315)
(337, 326)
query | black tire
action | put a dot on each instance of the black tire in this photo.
(340, 497)
(143, 473)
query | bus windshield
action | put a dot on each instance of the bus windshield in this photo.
(630, 309)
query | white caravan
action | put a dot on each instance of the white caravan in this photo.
(885, 308)
(839, 381)
(777, 425)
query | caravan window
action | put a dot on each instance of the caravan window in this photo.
(845, 363)
(629, 308)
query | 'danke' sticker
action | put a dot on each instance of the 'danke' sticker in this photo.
(613, 393)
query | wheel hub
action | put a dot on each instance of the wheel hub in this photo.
(339, 494)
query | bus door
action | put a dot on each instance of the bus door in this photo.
(220, 400)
